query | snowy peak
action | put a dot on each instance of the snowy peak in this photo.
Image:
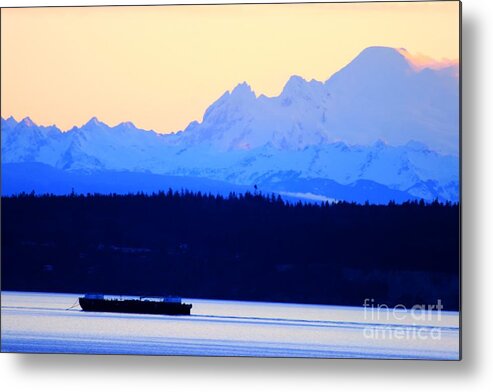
(9, 123)
(299, 88)
(96, 128)
(376, 70)
(94, 123)
(243, 91)
(240, 97)
(98, 131)
(379, 119)
(127, 125)
(294, 85)
(92, 126)
(28, 127)
(379, 59)
(385, 59)
(378, 95)
(27, 142)
(27, 122)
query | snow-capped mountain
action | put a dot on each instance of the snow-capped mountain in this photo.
(380, 95)
(411, 168)
(240, 120)
(380, 128)
(25, 141)
(95, 145)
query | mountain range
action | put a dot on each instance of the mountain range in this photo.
(378, 130)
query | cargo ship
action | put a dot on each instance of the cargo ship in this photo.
(142, 305)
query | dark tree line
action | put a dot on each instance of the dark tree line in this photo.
(245, 247)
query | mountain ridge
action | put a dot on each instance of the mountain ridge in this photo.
(403, 135)
(408, 168)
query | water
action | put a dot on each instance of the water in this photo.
(44, 322)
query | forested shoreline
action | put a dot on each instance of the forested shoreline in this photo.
(242, 247)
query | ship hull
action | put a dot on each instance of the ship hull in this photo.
(134, 306)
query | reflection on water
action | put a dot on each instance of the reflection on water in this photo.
(45, 322)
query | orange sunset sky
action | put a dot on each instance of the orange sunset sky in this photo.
(162, 66)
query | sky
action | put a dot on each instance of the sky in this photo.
(162, 66)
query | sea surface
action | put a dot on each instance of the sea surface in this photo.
(54, 323)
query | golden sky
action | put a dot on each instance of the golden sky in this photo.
(162, 66)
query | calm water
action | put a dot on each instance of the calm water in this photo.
(45, 322)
